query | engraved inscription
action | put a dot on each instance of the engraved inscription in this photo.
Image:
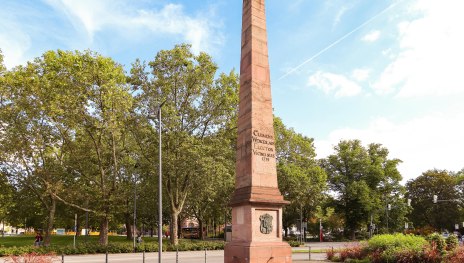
(263, 145)
(266, 224)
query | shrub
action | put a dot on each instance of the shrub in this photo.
(330, 253)
(366, 260)
(452, 242)
(424, 231)
(196, 245)
(355, 252)
(376, 256)
(392, 248)
(384, 242)
(94, 248)
(432, 254)
(294, 243)
(456, 256)
(32, 258)
(405, 256)
(439, 241)
(290, 238)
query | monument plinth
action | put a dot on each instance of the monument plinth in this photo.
(257, 202)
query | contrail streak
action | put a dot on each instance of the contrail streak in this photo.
(339, 40)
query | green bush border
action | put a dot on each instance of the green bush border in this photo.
(112, 248)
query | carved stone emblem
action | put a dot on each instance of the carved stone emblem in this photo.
(266, 223)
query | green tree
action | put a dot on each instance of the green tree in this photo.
(2, 66)
(27, 210)
(6, 197)
(421, 191)
(87, 96)
(6, 193)
(211, 192)
(365, 181)
(301, 180)
(197, 108)
(32, 145)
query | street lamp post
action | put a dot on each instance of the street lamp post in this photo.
(301, 223)
(135, 210)
(86, 224)
(160, 189)
(75, 230)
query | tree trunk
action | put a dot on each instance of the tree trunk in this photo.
(200, 229)
(214, 230)
(174, 228)
(353, 235)
(104, 231)
(51, 219)
(179, 227)
(128, 219)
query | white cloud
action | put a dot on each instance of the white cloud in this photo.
(423, 143)
(27, 30)
(14, 46)
(91, 17)
(339, 15)
(372, 36)
(14, 42)
(431, 57)
(334, 83)
(361, 74)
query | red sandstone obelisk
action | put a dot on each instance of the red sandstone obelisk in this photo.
(257, 202)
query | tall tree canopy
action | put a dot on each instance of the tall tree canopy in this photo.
(443, 214)
(365, 182)
(32, 146)
(199, 109)
(66, 116)
(301, 180)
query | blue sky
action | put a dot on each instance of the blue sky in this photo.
(388, 71)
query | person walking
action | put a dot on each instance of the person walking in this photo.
(38, 240)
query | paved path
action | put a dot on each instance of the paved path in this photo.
(169, 257)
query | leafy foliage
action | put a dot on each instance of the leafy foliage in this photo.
(198, 116)
(301, 180)
(112, 247)
(457, 256)
(32, 258)
(421, 190)
(384, 248)
(365, 181)
(352, 252)
(452, 242)
(437, 240)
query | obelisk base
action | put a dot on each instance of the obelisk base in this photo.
(257, 234)
(258, 252)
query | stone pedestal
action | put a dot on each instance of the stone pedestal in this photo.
(257, 202)
(249, 244)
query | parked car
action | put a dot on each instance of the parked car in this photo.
(190, 232)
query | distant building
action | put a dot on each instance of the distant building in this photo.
(6, 229)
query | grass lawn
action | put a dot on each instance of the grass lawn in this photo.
(28, 240)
